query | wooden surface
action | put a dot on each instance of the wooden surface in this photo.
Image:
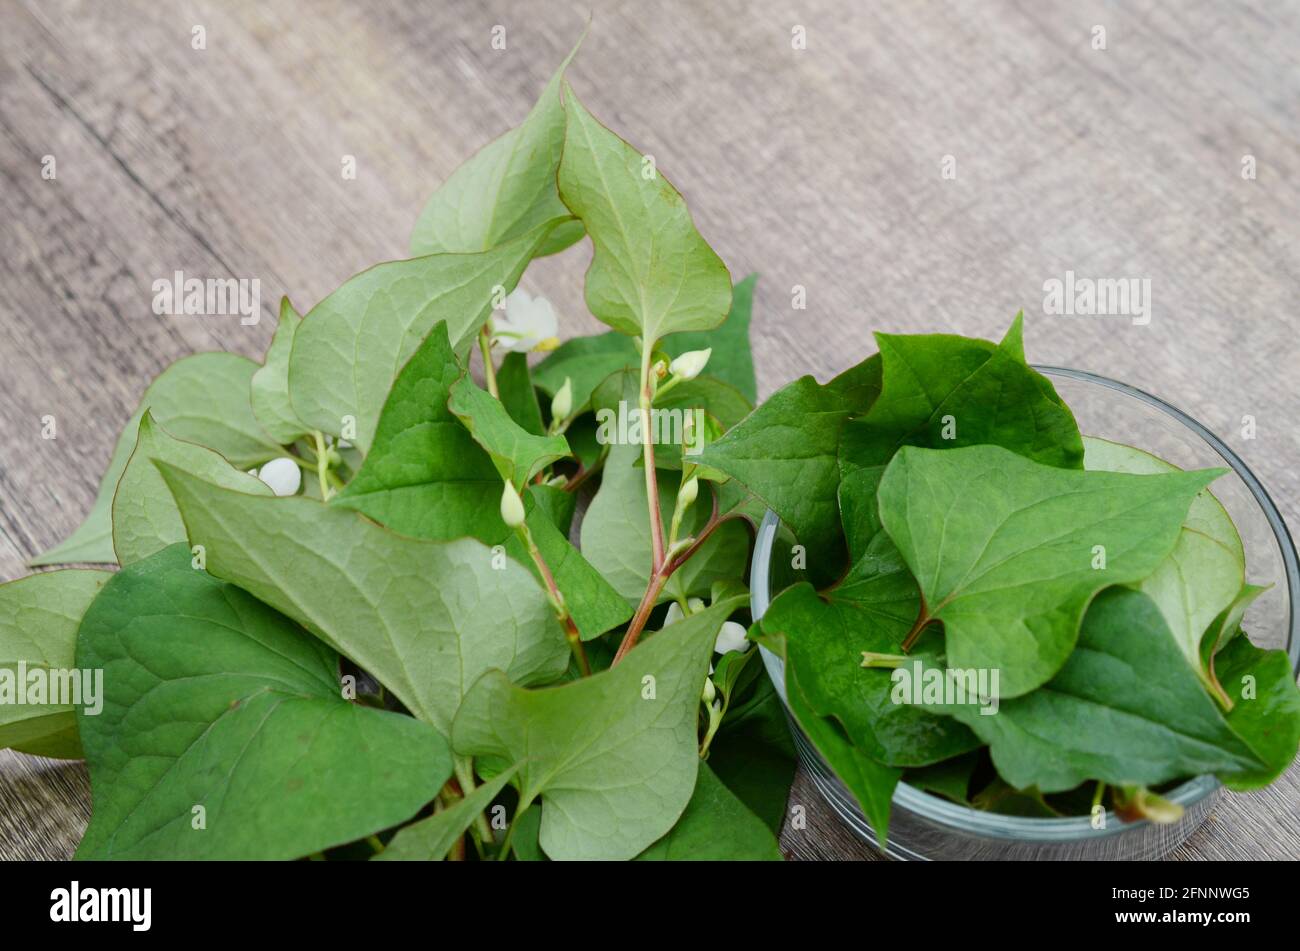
(816, 167)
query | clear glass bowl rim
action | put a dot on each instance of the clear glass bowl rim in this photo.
(948, 813)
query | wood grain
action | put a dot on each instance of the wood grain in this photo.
(816, 167)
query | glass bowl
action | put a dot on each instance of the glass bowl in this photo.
(924, 826)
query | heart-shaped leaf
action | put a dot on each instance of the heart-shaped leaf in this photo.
(651, 273)
(613, 756)
(425, 618)
(1008, 552)
(224, 733)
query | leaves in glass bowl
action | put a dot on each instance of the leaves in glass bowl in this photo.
(1008, 553)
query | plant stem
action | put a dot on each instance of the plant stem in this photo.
(507, 842)
(922, 619)
(322, 465)
(660, 578)
(464, 770)
(582, 475)
(646, 400)
(553, 595)
(489, 371)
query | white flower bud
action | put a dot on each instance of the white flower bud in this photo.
(562, 403)
(689, 365)
(512, 506)
(730, 638)
(282, 475)
(688, 493)
(710, 691)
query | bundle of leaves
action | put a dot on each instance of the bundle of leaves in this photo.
(355, 614)
(956, 526)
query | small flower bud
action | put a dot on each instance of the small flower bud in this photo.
(562, 403)
(688, 493)
(689, 365)
(710, 691)
(512, 506)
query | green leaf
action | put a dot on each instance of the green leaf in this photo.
(871, 783)
(732, 360)
(1227, 624)
(942, 391)
(950, 779)
(1008, 552)
(614, 756)
(214, 700)
(269, 390)
(616, 534)
(528, 826)
(716, 827)
(588, 361)
(145, 519)
(429, 840)
(201, 399)
(1125, 710)
(1265, 709)
(506, 190)
(425, 618)
(1206, 570)
(787, 453)
(585, 362)
(651, 273)
(824, 643)
(425, 475)
(39, 616)
(753, 753)
(515, 386)
(596, 607)
(350, 347)
(517, 454)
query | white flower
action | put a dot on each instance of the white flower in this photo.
(282, 475)
(674, 612)
(689, 364)
(512, 506)
(562, 402)
(730, 638)
(528, 324)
